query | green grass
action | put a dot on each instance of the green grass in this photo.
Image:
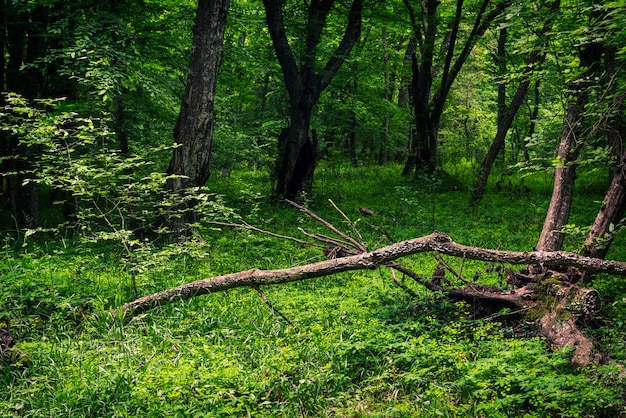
(358, 347)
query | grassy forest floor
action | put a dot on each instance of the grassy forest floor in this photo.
(357, 344)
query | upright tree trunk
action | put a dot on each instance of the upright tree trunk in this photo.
(501, 63)
(25, 44)
(429, 105)
(601, 235)
(422, 147)
(551, 238)
(189, 167)
(297, 152)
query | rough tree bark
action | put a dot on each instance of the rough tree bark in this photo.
(546, 291)
(609, 216)
(437, 242)
(297, 152)
(189, 167)
(551, 238)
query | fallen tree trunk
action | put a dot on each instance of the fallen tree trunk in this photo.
(437, 242)
(549, 295)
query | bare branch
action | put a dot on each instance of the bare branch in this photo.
(262, 231)
(327, 224)
(363, 245)
(385, 256)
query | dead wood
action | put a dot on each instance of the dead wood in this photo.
(546, 290)
(385, 256)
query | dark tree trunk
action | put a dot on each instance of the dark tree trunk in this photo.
(428, 106)
(504, 125)
(297, 152)
(3, 35)
(422, 148)
(120, 123)
(189, 167)
(551, 238)
(26, 43)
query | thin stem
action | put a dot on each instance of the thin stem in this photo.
(269, 304)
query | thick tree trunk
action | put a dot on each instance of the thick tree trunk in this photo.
(189, 167)
(297, 156)
(25, 44)
(551, 238)
(423, 145)
(297, 153)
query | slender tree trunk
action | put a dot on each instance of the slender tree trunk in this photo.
(387, 95)
(189, 167)
(503, 128)
(506, 114)
(601, 235)
(4, 138)
(551, 238)
(533, 121)
(501, 62)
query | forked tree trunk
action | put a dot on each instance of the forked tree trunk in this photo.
(297, 152)
(428, 105)
(189, 167)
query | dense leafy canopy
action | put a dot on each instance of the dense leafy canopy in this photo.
(90, 94)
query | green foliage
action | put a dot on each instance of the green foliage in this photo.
(358, 346)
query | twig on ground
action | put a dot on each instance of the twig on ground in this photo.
(269, 304)
(443, 262)
(402, 285)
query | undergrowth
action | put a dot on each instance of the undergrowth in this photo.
(357, 345)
